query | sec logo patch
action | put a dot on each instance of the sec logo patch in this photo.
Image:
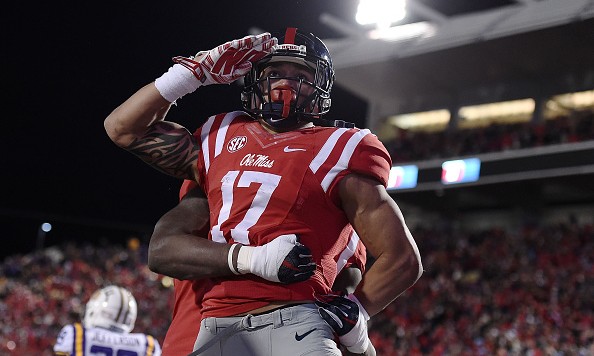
(236, 143)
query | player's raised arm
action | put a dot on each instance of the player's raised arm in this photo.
(137, 125)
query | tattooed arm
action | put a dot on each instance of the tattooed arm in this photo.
(137, 126)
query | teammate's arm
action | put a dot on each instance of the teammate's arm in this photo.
(176, 250)
(179, 238)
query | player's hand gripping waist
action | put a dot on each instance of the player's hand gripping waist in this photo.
(348, 318)
(283, 260)
(229, 61)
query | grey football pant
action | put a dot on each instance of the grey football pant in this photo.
(291, 331)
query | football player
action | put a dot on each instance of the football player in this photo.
(188, 221)
(106, 328)
(275, 176)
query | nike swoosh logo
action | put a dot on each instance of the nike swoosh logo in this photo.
(288, 149)
(300, 337)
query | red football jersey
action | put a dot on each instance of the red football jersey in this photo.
(261, 185)
(185, 323)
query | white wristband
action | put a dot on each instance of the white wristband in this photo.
(244, 259)
(361, 309)
(357, 340)
(176, 82)
(230, 258)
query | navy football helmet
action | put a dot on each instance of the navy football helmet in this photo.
(284, 112)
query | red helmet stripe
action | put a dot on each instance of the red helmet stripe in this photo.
(290, 35)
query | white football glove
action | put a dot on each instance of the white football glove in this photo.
(229, 61)
(283, 260)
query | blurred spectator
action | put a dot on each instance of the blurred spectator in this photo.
(491, 292)
(418, 145)
(43, 291)
(494, 292)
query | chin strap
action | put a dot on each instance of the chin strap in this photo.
(333, 123)
(346, 124)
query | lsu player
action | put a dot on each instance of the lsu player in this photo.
(271, 171)
(110, 315)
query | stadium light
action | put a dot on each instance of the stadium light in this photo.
(435, 118)
(380, 12)
(403, 177)
(403, 32)
(490, 111)
(460, 171)
(46, 227)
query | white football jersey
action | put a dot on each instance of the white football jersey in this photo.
(76, 340)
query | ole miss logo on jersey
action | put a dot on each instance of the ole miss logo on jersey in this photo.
(236, 143)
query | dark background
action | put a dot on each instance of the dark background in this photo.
(66, 65)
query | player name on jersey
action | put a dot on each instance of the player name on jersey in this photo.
(114, 339)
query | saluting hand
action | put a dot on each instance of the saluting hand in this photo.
(229, 61)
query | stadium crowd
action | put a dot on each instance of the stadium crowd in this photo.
(42, 291)
(420, 145)
(496, 292)
(490, 292)
(524, 291)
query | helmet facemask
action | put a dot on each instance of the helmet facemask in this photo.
(302, 102)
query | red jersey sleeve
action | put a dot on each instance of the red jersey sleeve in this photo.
(371, 159)
(186, 186)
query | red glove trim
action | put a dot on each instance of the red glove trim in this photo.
(192, 65)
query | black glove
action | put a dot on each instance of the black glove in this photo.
(297, 266)
(283, 260)
(339, 312)
(348, 319)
